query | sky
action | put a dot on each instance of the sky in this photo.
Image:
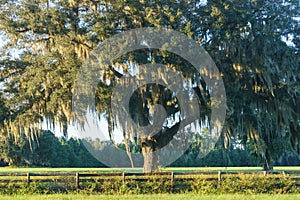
(94, 128)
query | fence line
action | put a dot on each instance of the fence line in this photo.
(168, 176)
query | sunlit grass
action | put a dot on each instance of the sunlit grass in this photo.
(66, 170)
(209, 169)
(287, 168)
(112, 170)
(156, 196)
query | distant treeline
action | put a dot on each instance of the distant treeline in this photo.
(47, 151)
(51, 151)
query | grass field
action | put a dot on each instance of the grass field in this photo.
(158, 196)
(111, 170)
(227, 191)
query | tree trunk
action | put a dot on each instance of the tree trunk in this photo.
(267, 164)
(158, 141)
(151, 158)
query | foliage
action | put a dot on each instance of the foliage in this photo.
(13, 150)
(203, 184)
(50, 151)
(258, 71)
(244, 38)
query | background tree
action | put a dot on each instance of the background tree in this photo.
(48, 151)
(246, 41)
(13, 150)
(51, 151)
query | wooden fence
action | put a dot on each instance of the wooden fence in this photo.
(74, 180)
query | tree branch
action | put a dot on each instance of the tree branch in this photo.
(23, 31)
(116, 73)
(164, 137)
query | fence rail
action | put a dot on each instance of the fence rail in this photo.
(74, 179)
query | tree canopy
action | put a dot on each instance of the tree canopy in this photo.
(246, 39)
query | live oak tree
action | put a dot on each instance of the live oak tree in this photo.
(54, 38)
(261, 72)
(245, 39)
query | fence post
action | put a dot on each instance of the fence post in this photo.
(123, 177)
(77, 180)
(172, 182)
(28, 178)
(265, 173)
(220, 178)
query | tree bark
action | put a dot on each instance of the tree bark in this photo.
(158, 141)
(151, 158)
(267, 163)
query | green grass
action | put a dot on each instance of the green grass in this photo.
(111, 170)
(156, 196)
(288, 168)
(209, 169)
(66, 170)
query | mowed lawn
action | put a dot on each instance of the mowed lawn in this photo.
(157, 196)
(112, 170)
